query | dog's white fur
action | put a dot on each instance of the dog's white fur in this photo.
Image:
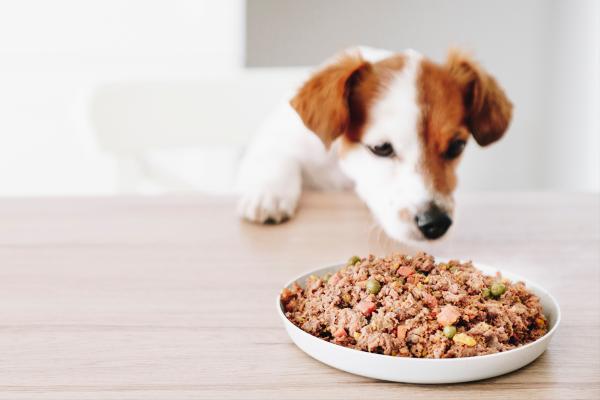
(286, 156)
(389, 185)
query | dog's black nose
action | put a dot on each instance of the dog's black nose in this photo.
(433, 222)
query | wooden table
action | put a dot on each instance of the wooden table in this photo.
(173, 297)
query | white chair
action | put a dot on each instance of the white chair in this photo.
(185, 135)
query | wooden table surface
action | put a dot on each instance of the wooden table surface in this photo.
(173, 297)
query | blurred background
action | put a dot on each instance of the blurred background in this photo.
(154, 96)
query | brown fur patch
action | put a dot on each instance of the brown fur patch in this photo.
(456, 99)
(336, 100)
(442, 119)
(488, 109)
(367, 91)
(364, 95)
(323, 101)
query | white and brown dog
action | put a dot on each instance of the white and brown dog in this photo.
(391, 125)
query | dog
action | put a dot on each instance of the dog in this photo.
(391, 125)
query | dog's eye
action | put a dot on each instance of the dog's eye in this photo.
(383, 150)
(455, 148)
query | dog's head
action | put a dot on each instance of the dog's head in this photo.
(402, 124)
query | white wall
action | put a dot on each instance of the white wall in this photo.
(572, 159)
(53, 54)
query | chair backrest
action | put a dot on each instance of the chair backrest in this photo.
(159, 131)
(129, 117)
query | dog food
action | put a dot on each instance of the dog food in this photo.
(414, 307)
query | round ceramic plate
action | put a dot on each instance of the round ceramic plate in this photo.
(422, 370)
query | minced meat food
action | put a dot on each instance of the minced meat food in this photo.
(414, 307)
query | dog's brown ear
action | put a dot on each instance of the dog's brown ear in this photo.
(488, 109)
(325, 102)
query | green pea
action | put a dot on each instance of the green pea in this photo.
(497, 289)
(326, 277)
(486, 293)
(373, 286)
(353, 260)
(449, 331)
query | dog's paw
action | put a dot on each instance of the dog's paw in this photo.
(267, 207)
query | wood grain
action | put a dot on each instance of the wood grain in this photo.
(173, 297)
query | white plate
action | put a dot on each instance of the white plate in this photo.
(422, 370)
